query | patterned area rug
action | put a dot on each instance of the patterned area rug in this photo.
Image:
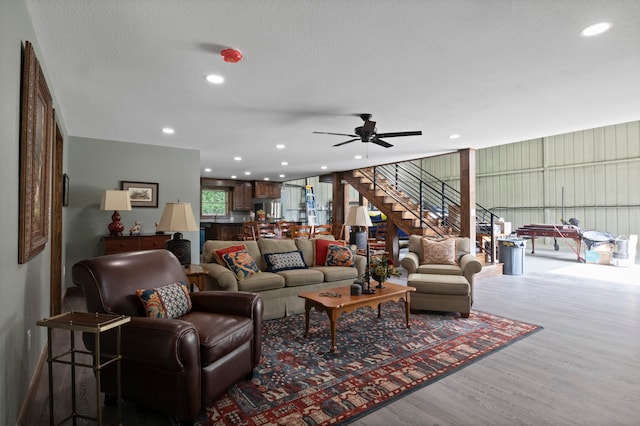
(299, 382)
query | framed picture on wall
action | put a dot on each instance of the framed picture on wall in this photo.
(142, 194)
(36, 136)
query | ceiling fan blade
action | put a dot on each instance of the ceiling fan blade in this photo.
(337, 134)
(396, 134)
(346, 142)
(381, 143)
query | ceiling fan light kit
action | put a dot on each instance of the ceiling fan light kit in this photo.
(369, 133)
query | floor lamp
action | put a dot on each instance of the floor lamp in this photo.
(358, 216)
(178, 218)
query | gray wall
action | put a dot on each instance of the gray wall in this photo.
(24, 289)
(599, 170)
(96, 165)
(93, 165)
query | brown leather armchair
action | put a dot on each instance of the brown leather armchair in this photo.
(174, 366)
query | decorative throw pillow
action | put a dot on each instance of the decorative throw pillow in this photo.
(169, 301)
(285, 261)
(241, 263)
(340, 256)
(217, 253)
(322, 247)
(441, 252)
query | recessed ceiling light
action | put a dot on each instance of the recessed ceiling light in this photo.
(215, 79)
(323, 167)
(284, 163)
(266, 178)
(281, 176)
(208, 170)
(596, 29)
(234, 177)
(237, 158)
(454, 136)
(247, 173)
(358, 157)
(280, 146)
(168, 130)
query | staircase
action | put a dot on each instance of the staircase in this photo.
(417, 202)
(400, 208)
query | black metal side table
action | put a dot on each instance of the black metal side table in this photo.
(90, 323)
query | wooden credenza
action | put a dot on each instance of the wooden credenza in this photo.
(111, 245)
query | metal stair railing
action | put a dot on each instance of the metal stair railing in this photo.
(392, 190)
(431, 194)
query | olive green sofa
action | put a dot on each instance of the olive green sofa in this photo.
(279, 291)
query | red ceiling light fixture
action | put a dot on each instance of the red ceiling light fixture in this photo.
(231, 55)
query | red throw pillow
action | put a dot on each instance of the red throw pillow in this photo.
(218, 253)
(322, 247)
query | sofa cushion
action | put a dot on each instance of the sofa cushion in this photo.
(274, 245)
(462, 246)
(261, 282)
(322, 247)
(441, 252)
(308, 248)
(439, 284)
(301, 277)
(216, 254)
(277, 262)
(439, 269)
(219, 335)
(337, 273)
(241, 263)
(340, 256)
(210, 245)
(169, 301)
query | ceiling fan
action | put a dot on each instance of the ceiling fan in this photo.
(367, 133)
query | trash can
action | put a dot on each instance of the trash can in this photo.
(621, 248)
(511, 255)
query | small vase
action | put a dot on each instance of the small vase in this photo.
(379, 280)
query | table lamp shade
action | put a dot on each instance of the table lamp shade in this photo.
(358, 216)
(178, 218)
(115, 200)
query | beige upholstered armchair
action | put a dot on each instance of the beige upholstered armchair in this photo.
(443, 277)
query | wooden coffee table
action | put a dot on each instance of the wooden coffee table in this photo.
(343, 301)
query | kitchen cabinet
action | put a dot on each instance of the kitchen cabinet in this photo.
(243, 196)
(223, 231)
(267, 189)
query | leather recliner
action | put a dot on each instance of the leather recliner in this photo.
(174, 366)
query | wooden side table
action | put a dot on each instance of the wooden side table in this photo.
(90, 323)
(196, 274)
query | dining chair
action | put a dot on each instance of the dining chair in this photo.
(325, 229)
(302, 231)
(284, 228)
(265, 230)
(249, 231)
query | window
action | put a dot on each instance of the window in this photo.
(214, 202)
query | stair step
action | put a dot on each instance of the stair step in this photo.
(489, 270)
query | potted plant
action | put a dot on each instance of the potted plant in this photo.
(381, 269)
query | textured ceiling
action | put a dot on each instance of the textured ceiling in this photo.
(492, 71)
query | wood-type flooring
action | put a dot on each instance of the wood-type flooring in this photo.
(582, 369)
